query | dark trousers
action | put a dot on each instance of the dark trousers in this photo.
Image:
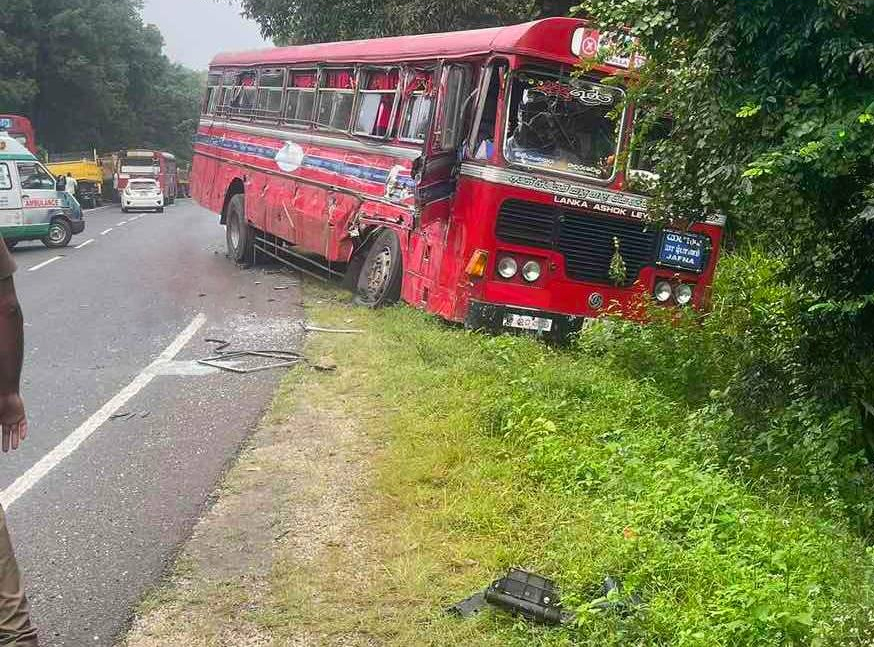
(15, 627)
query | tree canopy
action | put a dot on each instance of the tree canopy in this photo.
(89, 73)
(297, 21)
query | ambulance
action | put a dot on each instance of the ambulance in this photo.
(33, 204)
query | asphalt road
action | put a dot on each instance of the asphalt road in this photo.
(97, 505)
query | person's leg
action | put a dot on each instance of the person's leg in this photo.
(15, 627)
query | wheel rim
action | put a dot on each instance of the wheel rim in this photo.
(235, 233)
(379, 274)
(57, 234)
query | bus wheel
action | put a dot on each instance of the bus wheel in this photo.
(60, 234)
(240, 235)
(379, 283)
(11, 243)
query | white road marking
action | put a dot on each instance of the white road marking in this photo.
(123, 222)
(72, 442)
(87, 211)
(85, 244)
(44, 263)
(105, 231)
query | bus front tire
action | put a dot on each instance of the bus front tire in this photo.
(379, 282)
(239, 234)
(60, 234)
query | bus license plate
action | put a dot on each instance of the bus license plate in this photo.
(526, 322)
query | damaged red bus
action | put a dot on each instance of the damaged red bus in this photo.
(20, 129)
(469, 174)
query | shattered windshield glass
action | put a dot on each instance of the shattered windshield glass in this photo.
(562, 124)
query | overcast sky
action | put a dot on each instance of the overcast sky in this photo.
(196, 30)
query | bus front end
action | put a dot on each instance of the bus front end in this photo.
(549, 236)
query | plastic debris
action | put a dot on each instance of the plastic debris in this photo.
(519, 592)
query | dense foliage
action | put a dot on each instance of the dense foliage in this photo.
(90, 74)
(296, 21)
(773, 108)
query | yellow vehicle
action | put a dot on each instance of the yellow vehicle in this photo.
(88, 171)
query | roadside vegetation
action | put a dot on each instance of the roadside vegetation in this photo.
(625, 454)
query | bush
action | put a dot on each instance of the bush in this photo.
(744, 371)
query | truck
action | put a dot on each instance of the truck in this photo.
(88, 171)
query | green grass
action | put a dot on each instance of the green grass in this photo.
(501, 451)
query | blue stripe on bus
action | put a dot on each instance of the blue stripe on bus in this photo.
(360, 171)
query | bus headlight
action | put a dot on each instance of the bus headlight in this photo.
(507, 267)
(683, 294)
(663, 292)
(531, 271)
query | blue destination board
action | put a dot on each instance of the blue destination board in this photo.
(5, 123)
(683, 251)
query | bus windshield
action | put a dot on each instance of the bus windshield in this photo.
(563, 124)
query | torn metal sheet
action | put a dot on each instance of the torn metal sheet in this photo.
(225, 361)
(338, 331)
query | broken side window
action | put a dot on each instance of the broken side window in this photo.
(270, 88)
(419, 95)
(213, 89)
(336, 96)
(377, 100)
(300, 98)
(457, 90)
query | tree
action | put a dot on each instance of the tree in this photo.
(90, 74)
(297, 21)
(773, 111)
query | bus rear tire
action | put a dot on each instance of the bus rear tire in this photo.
(379, 282)
(239, 234)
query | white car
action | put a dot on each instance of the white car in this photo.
(142, 194)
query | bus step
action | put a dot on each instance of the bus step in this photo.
(299, 262)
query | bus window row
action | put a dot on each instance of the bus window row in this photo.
(382, 103)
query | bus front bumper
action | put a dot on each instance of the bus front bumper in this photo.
(497, 318)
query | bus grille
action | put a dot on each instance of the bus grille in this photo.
(585, 240)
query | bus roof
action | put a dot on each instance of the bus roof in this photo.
(548, 39)
(12, 149)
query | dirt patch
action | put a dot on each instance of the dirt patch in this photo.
(287, 527)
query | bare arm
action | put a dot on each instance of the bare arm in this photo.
(12, 416)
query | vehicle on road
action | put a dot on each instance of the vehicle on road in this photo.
(155, 165)
(469, 174)
(88, 172)
(142, 194)
(32, 205)
(20, 129)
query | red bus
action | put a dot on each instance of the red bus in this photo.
(469, 174)
(20, 129)
(147, 164)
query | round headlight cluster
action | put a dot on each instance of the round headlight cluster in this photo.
(663, 292)
(507, 267)
(531, 271)
(681, 292)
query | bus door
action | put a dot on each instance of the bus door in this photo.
(436, 184)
